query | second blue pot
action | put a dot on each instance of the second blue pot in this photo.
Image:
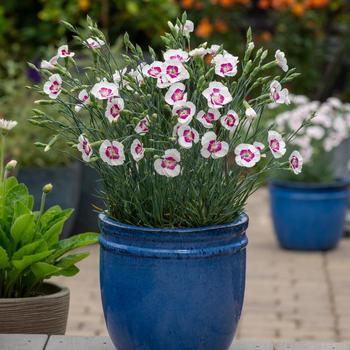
(172, 289)
(308, 216)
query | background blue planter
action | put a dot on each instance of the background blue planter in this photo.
(308, 216)
(172, 289)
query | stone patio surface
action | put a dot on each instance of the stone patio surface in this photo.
(289, 295)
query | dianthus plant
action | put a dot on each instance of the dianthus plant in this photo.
(176, 139)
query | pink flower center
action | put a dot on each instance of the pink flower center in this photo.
(138, 149)
(209, 117)
(230, 120)
(112, 152)
(84, 98)
(154, 71)
(86, 147)
(275, 95)
(169, 163)
(177, 57)
(214, 146)
(275, 145)
(55, 87)
(246, 155)
(173, 71)
(188, 135)
(105, 92)
(183, 113)
(114, 110)
(143, 125)
(294, 162)
(216, 97)
(226, 67)
(178, 95)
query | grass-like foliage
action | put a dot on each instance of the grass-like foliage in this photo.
(178, 141)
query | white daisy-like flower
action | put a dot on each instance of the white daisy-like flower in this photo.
(153, 70)
(7, 124)
(104, 90)
(187, 136)
(176, 93)
(296, 162)
(175, 71)
(213, 148)
(85, 148)
(184, 111)
(281, 60)
(94, 43)
(64, 52)
(112, 152)
(279, 95)
(177, 55)
(225, 65)
(247, 155)
(217, 95)
(137, 150)
(114, 107)
(230, 120)
(142, 126)
(53, 86)
(168, 165)
(84, 98)
(276, 144)
(208, 118)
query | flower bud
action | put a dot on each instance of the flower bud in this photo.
(47, 188)
(11, 165)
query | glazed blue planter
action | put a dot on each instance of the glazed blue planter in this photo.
(308, 216)
(172, 289)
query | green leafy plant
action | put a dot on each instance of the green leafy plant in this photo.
(30, 249)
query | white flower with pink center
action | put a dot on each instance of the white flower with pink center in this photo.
(184, 111)
(276, 144)
(114, 106)
(104, 90)
(225, 65)
(168, 165)
(176, 93)
(260, 147)
(53, 86)
(296, 162)
(112, 152)
(49, 64)
(142, 126)
(175, 71)
(247, 155)
(217, 95)
(177, 55)
(213, 148)
(207, 118)
(137, 150)
(230, 120)
(84, 99)
(279, 95)
(186, 29)
(153, 70)
(163, 81)
(64, 52)
(281, 60)
(85, 148)
(94, 43)
(187, 136)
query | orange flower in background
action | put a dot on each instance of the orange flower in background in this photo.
(265, 36)
(84, 5)
(187, 4)
(298, 9)
(316, 3)
(226, 3)
(221, 26)
(264, 4)
(204, 28)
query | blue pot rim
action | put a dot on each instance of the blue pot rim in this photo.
(342, 183)
(241, 221)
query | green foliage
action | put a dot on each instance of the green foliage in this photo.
(30, 249)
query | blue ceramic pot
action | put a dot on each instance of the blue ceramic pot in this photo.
(172, 289)
(308, 216)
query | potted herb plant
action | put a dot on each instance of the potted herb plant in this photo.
(31, 253)
(309, 211)
(175, 142)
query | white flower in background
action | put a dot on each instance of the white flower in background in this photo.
(153, 70)
(279, 95)
(49, 64)
(276, 144)
(298, 99)
(137, 150)
(175, 71)
(163, 81)
(260, 147)
(213, 49)
(250, 113)
(176, 55)
(184, 111)
(118, 76)
(306, 154)
(187, 136)
(198, 52)
(53, 86)
(303, 141)
(315, 132)
(281, 60)
(217, 95)
(225, 65)
(94, 43)
(85, 148)
(142, 126)
(296, 162)
(246, 155)
(207, 118)
(64, 52)
(213, 148)
(186, 29)
(176, 93)
(334, 102)
(7, 124)
(84, 99)
(104, 90)
(114, 106)
(230, 120)
(168, 165)
(112, 152)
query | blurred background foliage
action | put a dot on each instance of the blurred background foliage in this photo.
(313, 33)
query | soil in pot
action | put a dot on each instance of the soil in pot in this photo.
(46, 313)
